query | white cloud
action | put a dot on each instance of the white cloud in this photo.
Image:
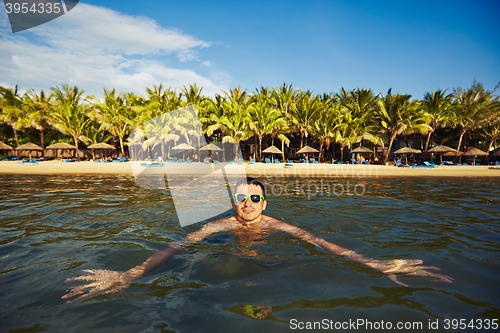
(95, 48)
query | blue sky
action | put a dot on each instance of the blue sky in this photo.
(411, 47)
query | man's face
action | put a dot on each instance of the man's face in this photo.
(248, 210)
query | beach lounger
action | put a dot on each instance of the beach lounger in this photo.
(276, 161)
(252, 161)
(430, 165)
(399, 164)
(152, 165)
(267, 160)
(28, 162)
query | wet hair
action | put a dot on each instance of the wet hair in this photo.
(251, 181)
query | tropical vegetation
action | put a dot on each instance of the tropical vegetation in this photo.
(283, 116)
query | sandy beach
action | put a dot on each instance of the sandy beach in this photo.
(257, 169)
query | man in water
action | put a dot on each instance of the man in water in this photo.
(248, 225)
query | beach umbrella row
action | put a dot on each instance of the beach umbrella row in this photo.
(30, 147)
(442, 150)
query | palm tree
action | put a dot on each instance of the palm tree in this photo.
(161, 100)
(284, 98)
(40, 107)
(13, 112)
(264, 119)
(347, 129)
(474, 108)
(491, 134)
(192, 96)
(357, 118)
(235, 120)
(117, 115)
(211, 118)
(305, 114)
(162, 129)
(324, 127)
(399, 114)
(70, 110)
(438, 106)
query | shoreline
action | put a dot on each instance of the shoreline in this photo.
(256, 170)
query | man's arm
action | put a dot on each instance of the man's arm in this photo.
(389, 267)
(161, 256)
(105, 281)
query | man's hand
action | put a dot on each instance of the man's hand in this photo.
(102, 281)
(407, 267)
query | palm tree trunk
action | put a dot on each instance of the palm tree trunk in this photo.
(16, 137)
(283, 151)
(77, 151)
(428, 140)
(260, 147)
(462, 133)
(42, 138)
(122, 147)
(391, 141)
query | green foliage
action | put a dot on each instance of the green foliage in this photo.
(341, 119)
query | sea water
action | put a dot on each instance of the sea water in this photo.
(53, 227)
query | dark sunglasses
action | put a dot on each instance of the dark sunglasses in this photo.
(242, 197)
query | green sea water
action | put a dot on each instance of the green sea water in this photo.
(52, 228)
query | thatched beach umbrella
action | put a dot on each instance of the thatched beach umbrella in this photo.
(4, 146)
(495, 152)
(441, 150)
(30, 146)
(210, 147)
(272, 150)
(61, 146)
(307, 149)
(362, 150)
(183, 147)
(406, 151)
(475, 152)
(101, 146)
(452, 153)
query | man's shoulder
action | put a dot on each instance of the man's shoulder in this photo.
(222, 224)
(271, 222)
